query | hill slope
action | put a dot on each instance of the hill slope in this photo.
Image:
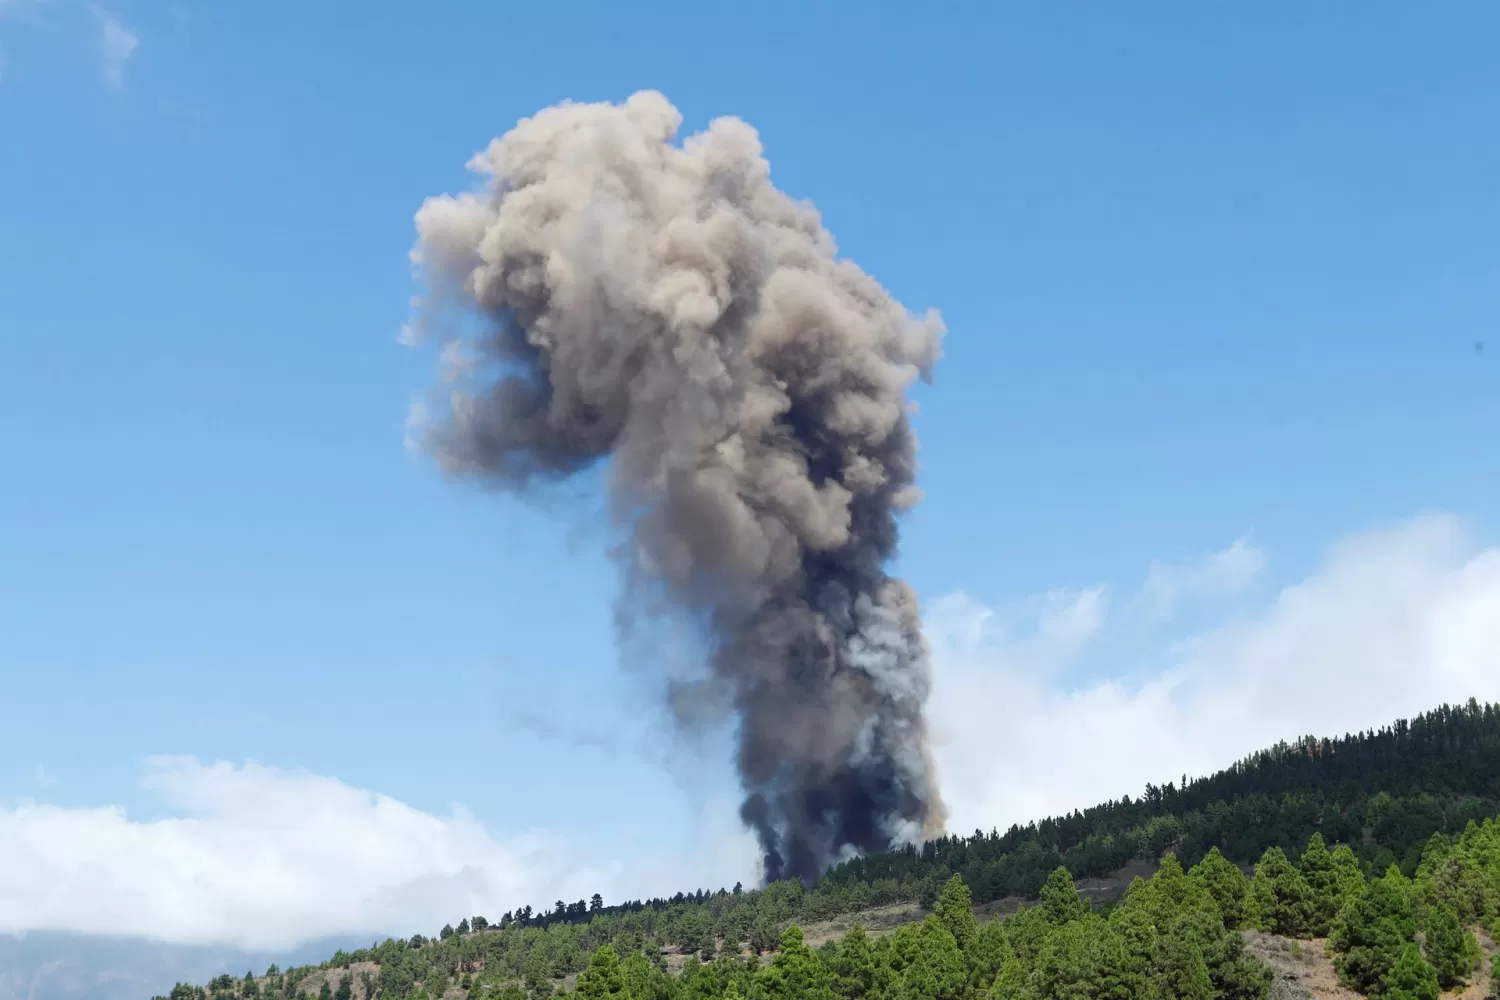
(1380, 795)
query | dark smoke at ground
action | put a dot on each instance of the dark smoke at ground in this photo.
(663, 307)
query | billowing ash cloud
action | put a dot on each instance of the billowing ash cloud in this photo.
(663, 307)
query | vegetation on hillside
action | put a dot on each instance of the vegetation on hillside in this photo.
(1165, 939)
(1390, 936)
(1415, 863)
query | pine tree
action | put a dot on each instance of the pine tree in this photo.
(937, 971)
(1226, 884)
(1060, 900)
(694, 935)
(1138, 935)
(856, 974)
(988, 954)
(1280, 895)
(796, 973)
(1348, 876)
(602, 979)
(538, 975)
(1233, 973)
(1453, 873)
(1179, 971)
(694, 982)
(1437, 848)
(1010, 981)
(1371, 931)
(1449, 948)
(1026, 932)
(899, 950)
(763, 936)
(1410, 978)
(1168, 894)
(1322, 879)
(1085, 958)
(697, 981)
(644, 981)
(955, 912)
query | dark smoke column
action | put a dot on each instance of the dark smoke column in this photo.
(663, 307)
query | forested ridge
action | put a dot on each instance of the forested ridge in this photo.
(1382, 842)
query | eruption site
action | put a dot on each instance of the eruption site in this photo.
(609, 294)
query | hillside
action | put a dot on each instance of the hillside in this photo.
(1383, 842)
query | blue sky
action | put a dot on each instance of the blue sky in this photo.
(1208, 276)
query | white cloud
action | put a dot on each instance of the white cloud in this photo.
(1221, 575)
(113, 43)
(117, 45)
(1392, 624)
(264, 858)
(418, 422)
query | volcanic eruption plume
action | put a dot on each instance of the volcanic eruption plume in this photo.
(613, 295)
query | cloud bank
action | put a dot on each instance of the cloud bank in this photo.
(1394, 622)
(262, 858)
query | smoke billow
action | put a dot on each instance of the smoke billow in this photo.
(663, 307)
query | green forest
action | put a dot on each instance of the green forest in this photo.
(1382, 846)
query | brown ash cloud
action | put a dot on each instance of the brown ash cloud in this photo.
(611, 298)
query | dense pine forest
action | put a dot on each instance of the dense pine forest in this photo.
(1383, 844)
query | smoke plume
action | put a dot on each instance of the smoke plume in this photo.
(612, 295)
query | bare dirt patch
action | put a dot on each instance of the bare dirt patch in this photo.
(881, 920)
(1304, 969)
(1113, 886)
(315, 980)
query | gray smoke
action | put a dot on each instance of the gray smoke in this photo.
(613, 295)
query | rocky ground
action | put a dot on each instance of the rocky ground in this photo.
(1304, 970)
